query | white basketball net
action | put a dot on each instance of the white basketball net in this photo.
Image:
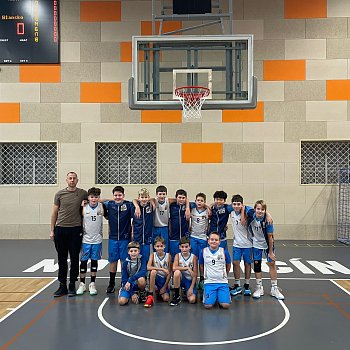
(192, 99)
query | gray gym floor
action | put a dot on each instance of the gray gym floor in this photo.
(314, 315)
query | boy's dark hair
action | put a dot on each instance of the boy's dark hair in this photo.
(134, 244)
(161, 188)
(262, 203)
(214, 232)
(185, 240)
(220, 194)
(201, 194)
(180, 192)
(118, 189)
(94, 191)
(237, 198)
(159, 239)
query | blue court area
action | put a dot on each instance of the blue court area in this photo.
(315, 313)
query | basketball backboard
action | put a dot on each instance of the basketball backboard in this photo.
(222, 63)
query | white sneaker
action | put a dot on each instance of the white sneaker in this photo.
(276, 292)
(92, 288)
(259, 291)
(81, 289)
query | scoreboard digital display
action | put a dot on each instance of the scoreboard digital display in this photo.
(29, 31)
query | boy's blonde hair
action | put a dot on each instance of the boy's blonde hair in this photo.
(144, 192)
(262, 203)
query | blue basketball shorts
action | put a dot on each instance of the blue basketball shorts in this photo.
(117, 250)
(162, 232)
(197, 245)
(216, 292)
(223, 244)
(174, 248)
(257, 254)
(129, 293)
(91, 251)
(238, 253)
(159, 283)
(186, 284)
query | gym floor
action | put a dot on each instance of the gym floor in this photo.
(314, 276)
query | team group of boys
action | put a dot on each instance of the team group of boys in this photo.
(186, 237)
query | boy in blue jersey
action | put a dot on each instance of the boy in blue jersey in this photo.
(133, 276)
(178, 226)
(242, 246)
(119, 219)
(215, 264)
(263, 242)
(142, 225)
(219, 216)
(185, 269)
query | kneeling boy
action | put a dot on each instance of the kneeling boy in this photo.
(133, 276)
(215, 264)
(159, 265)
(185, 273)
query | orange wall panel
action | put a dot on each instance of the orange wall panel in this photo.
(284, 70)
(10, 113)
(100, 11)
(100, 92)
(244, 115)
(46, 73)
(163, 116)
(126, 51)
(338, 90)
(169, 26)
(305, 8)
(202, 153)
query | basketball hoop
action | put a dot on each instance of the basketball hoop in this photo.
(192, 99)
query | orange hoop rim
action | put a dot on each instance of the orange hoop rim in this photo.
(186, 93)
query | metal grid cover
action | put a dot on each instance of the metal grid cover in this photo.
(126, 163)
(343, 224)
(28, 163)
(321, 161)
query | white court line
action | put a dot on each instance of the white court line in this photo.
(282, 324)
(341, 287)
(27, 300)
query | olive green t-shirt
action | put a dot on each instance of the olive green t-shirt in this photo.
(69, 207)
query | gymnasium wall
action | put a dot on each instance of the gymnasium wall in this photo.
(301, 59)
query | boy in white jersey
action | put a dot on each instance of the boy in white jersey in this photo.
(159, 264)
(263, 242)
(215, 264)
(185, 273)
(199, 228)
(161, 214)
(92, 239)
(242, 246)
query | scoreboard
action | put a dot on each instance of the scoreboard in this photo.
(29, 31)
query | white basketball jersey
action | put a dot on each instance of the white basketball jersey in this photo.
(214, 266)
(161, 214)
(93, 224)
(186, 262)
(199, 223)
(259, 240)
(241, 236)
(161, 262)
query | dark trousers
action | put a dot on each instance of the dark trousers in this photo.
(68, 240)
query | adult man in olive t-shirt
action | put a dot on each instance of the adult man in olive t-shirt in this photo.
(67, 232)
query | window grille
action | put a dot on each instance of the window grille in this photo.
(321, 161)
(126, 163)
(28, 163)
